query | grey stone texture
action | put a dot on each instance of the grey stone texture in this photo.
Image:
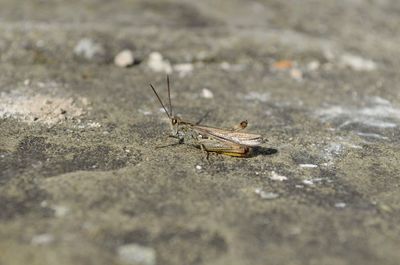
(82, 177)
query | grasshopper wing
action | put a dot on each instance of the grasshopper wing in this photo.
(247, 139)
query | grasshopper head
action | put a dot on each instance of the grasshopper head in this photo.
(178, 126)
(175, 122)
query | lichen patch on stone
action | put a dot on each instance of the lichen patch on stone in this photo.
(41, 107)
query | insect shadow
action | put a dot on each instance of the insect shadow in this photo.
(263, 151)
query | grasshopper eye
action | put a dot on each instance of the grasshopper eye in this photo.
(174, 121)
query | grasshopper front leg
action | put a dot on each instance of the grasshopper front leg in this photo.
(203, 148)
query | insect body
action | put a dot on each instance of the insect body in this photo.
(231, 142)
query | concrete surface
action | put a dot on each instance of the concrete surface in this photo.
(83, 182)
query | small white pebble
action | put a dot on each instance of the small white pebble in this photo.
(256, 96)
(313, 65)
(162, 110)
(85, 101)
(232, 67)
(88, 49)
(308, 182)
(198, 167)
(60, 210)
(93, 124)
(158, 64)
(124, 58)
(206, 93)
(266, 195)
(269, 195)
(145, 112)
(276, 176)
(136, 254)
(340, 205)
(183, 69)
(357, 63)
(42, 239)
(296, 74)
(308, 165)
(225, 66)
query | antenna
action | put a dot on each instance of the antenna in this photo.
(169, 97)
(159, 99)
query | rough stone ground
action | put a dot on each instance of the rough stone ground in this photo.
(81, 180)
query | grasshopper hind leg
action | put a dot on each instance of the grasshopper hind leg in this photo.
(224, 148)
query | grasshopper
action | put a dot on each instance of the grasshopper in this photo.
(231, 142)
